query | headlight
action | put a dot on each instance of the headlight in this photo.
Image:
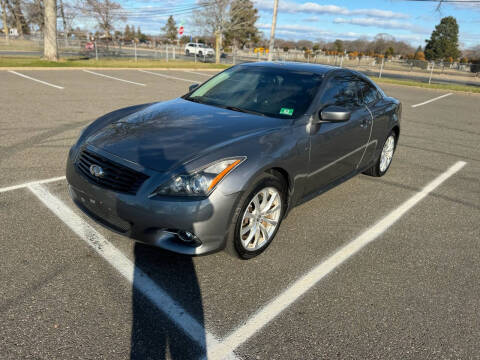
(201, 182)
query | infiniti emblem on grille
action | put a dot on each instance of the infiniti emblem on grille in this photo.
(97, 171)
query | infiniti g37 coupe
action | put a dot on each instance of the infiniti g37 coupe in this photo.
(221, 166)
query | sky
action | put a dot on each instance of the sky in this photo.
(327, 20)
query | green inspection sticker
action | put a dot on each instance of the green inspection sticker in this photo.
(286, 111)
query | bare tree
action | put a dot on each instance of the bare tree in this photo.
(68, 13)
(213, 18)
(105, 12)
(15, 8)
(36, 14)
(50, 50)
(62, 15)
(4, 20)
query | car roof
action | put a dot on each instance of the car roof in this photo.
(295, 66)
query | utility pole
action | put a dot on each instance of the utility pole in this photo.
(50, 50)
(218, 45)
(272, 31)
(4, 20)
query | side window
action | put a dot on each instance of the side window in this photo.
(341, 90)
(368, 93)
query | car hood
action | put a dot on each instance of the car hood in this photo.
(164, 135)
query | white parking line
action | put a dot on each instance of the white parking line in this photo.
(431, 100)
(114, 78)
(40, 81)
(309, 280)
(127, 269)
(24, 185)
(167, 76)
(197, 73)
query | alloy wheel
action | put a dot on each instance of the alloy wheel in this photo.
(387, 153)
(260, 219)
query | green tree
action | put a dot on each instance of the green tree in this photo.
(127, 34)
(170, 29)
(443, 42)
(184, 39)
(338, 46)
(389, 52)
(241, 24)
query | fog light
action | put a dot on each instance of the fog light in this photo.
(186, 236)
(189, 238)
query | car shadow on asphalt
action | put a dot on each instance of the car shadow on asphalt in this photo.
(154, 335)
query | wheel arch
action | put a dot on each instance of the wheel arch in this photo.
(285, 176)
(396, 130)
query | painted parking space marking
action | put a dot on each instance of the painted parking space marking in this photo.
(167, 76)
(431, 100)
(114, 78)
(24, 185)
(142, 282)
(37, 80)
(275, 307)
(198, 73)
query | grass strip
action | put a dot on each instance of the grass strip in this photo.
(7, 61)
(453, 87)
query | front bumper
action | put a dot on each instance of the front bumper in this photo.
(154, 220)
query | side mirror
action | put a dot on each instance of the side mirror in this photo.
(334, 114)
(193, 87)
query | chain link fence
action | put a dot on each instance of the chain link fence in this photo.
(407, 69)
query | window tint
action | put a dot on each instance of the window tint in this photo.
(342, 90)
(274, 92)
(368, 93)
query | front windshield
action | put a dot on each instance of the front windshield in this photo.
(273, 92)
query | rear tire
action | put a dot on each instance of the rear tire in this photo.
(252, 229)
(187, 52)
(384, 160)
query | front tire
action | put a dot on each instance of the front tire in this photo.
(384, 161)
(187, 52)
(258, 216)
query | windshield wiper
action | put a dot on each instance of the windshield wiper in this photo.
(234, 108)
(194, 99)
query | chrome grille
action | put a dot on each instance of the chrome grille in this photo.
(117, 177)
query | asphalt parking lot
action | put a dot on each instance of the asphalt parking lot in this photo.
(71, 289)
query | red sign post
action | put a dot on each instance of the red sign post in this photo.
(180, 30)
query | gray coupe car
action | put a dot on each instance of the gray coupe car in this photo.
(221, 166)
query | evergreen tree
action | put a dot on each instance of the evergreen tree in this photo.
(389, 52)
(170, 29)
(128, 33)
(338, 45)
(241, 25)
(443, 42)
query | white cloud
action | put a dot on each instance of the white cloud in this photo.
(298, 32)
(381, 23)
(314, 8)
(466, 4)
